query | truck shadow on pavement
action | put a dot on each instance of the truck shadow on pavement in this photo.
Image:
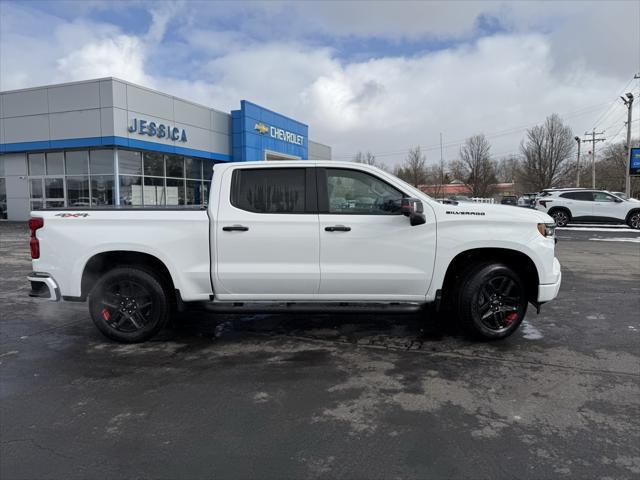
(407, 331)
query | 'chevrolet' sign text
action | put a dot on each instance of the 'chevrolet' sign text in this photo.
(279, 134)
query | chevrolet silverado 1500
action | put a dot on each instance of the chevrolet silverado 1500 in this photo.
(299, 235)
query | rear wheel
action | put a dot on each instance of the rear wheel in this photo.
(129, 305)
(492, 301)
(561, 217)
(634, 220)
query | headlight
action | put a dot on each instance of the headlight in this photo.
(547, 229)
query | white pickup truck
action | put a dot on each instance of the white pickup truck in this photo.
(298, 236)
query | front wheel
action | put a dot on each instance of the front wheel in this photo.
(129, 305)
(561, 218)
(492, 301)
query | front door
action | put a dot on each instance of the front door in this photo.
(368, 249)
(266, 235)
(605, 207)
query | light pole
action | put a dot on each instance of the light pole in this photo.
(627, 178)
(577, 139)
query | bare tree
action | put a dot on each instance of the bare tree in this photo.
(547, 151)
(368, 158)
(436, 177)
(414, 168)
(507, 169)
(611, 168)
(475, 168)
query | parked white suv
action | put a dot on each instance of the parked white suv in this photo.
(592, 206)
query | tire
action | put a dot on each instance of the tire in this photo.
(561, 217)
(634, 220)
(129, 305)
(491, 301)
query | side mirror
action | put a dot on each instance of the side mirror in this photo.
(413, 208)
(618, 200)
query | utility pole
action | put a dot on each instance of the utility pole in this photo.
(627, 178)
(593, 140)
(441, 168)
(577, 139)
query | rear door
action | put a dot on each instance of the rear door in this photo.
(579, 203)
(368, 249)
(266, 234)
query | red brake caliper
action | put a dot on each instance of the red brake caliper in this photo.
(510, 317)
(105, 314)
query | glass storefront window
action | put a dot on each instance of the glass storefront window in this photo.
(36, 204)
(54, 187)
(194, 192)
(101, 161)
(205, 192)
(207, 169)
(55, 163)
(102, 190)
(78, 192)
(129, 163)
(54, 203)
(36, 187)
(175, 191)
(36, 164)
(1, 166)
(193, 167)
(154, 164)
(154, 193)
(3, 198)
(130, 190)
(77, 162)
(175, 166)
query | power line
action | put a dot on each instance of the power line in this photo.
(615, 102)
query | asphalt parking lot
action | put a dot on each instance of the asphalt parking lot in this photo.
(326, 396)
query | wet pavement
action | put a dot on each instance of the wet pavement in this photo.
(328, 396)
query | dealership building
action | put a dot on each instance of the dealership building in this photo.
(109, 142)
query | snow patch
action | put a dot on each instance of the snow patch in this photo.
(599, 229)
(530, 332)
(617, 239)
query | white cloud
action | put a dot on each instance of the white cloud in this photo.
(384, 104)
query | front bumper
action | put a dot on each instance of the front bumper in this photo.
(43, 286)
(549, 291)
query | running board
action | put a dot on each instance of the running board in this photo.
(312, 307)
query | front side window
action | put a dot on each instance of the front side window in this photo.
(269, 190)
(603, 197)
(359, 193)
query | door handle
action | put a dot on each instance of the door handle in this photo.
(338, 228)
(235, 228)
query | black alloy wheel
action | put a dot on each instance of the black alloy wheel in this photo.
(491, 301)
(634, 220)
(561, 218)
(498, 302)
(129, 305)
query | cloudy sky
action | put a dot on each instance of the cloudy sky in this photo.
(378, 76)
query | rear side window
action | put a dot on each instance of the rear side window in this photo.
(584, 196)
(269, 190)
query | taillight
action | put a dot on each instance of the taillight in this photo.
(35, 223)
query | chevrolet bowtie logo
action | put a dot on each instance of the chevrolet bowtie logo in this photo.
(261, 128)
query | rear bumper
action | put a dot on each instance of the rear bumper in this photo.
(549, 291)
(43, 286)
